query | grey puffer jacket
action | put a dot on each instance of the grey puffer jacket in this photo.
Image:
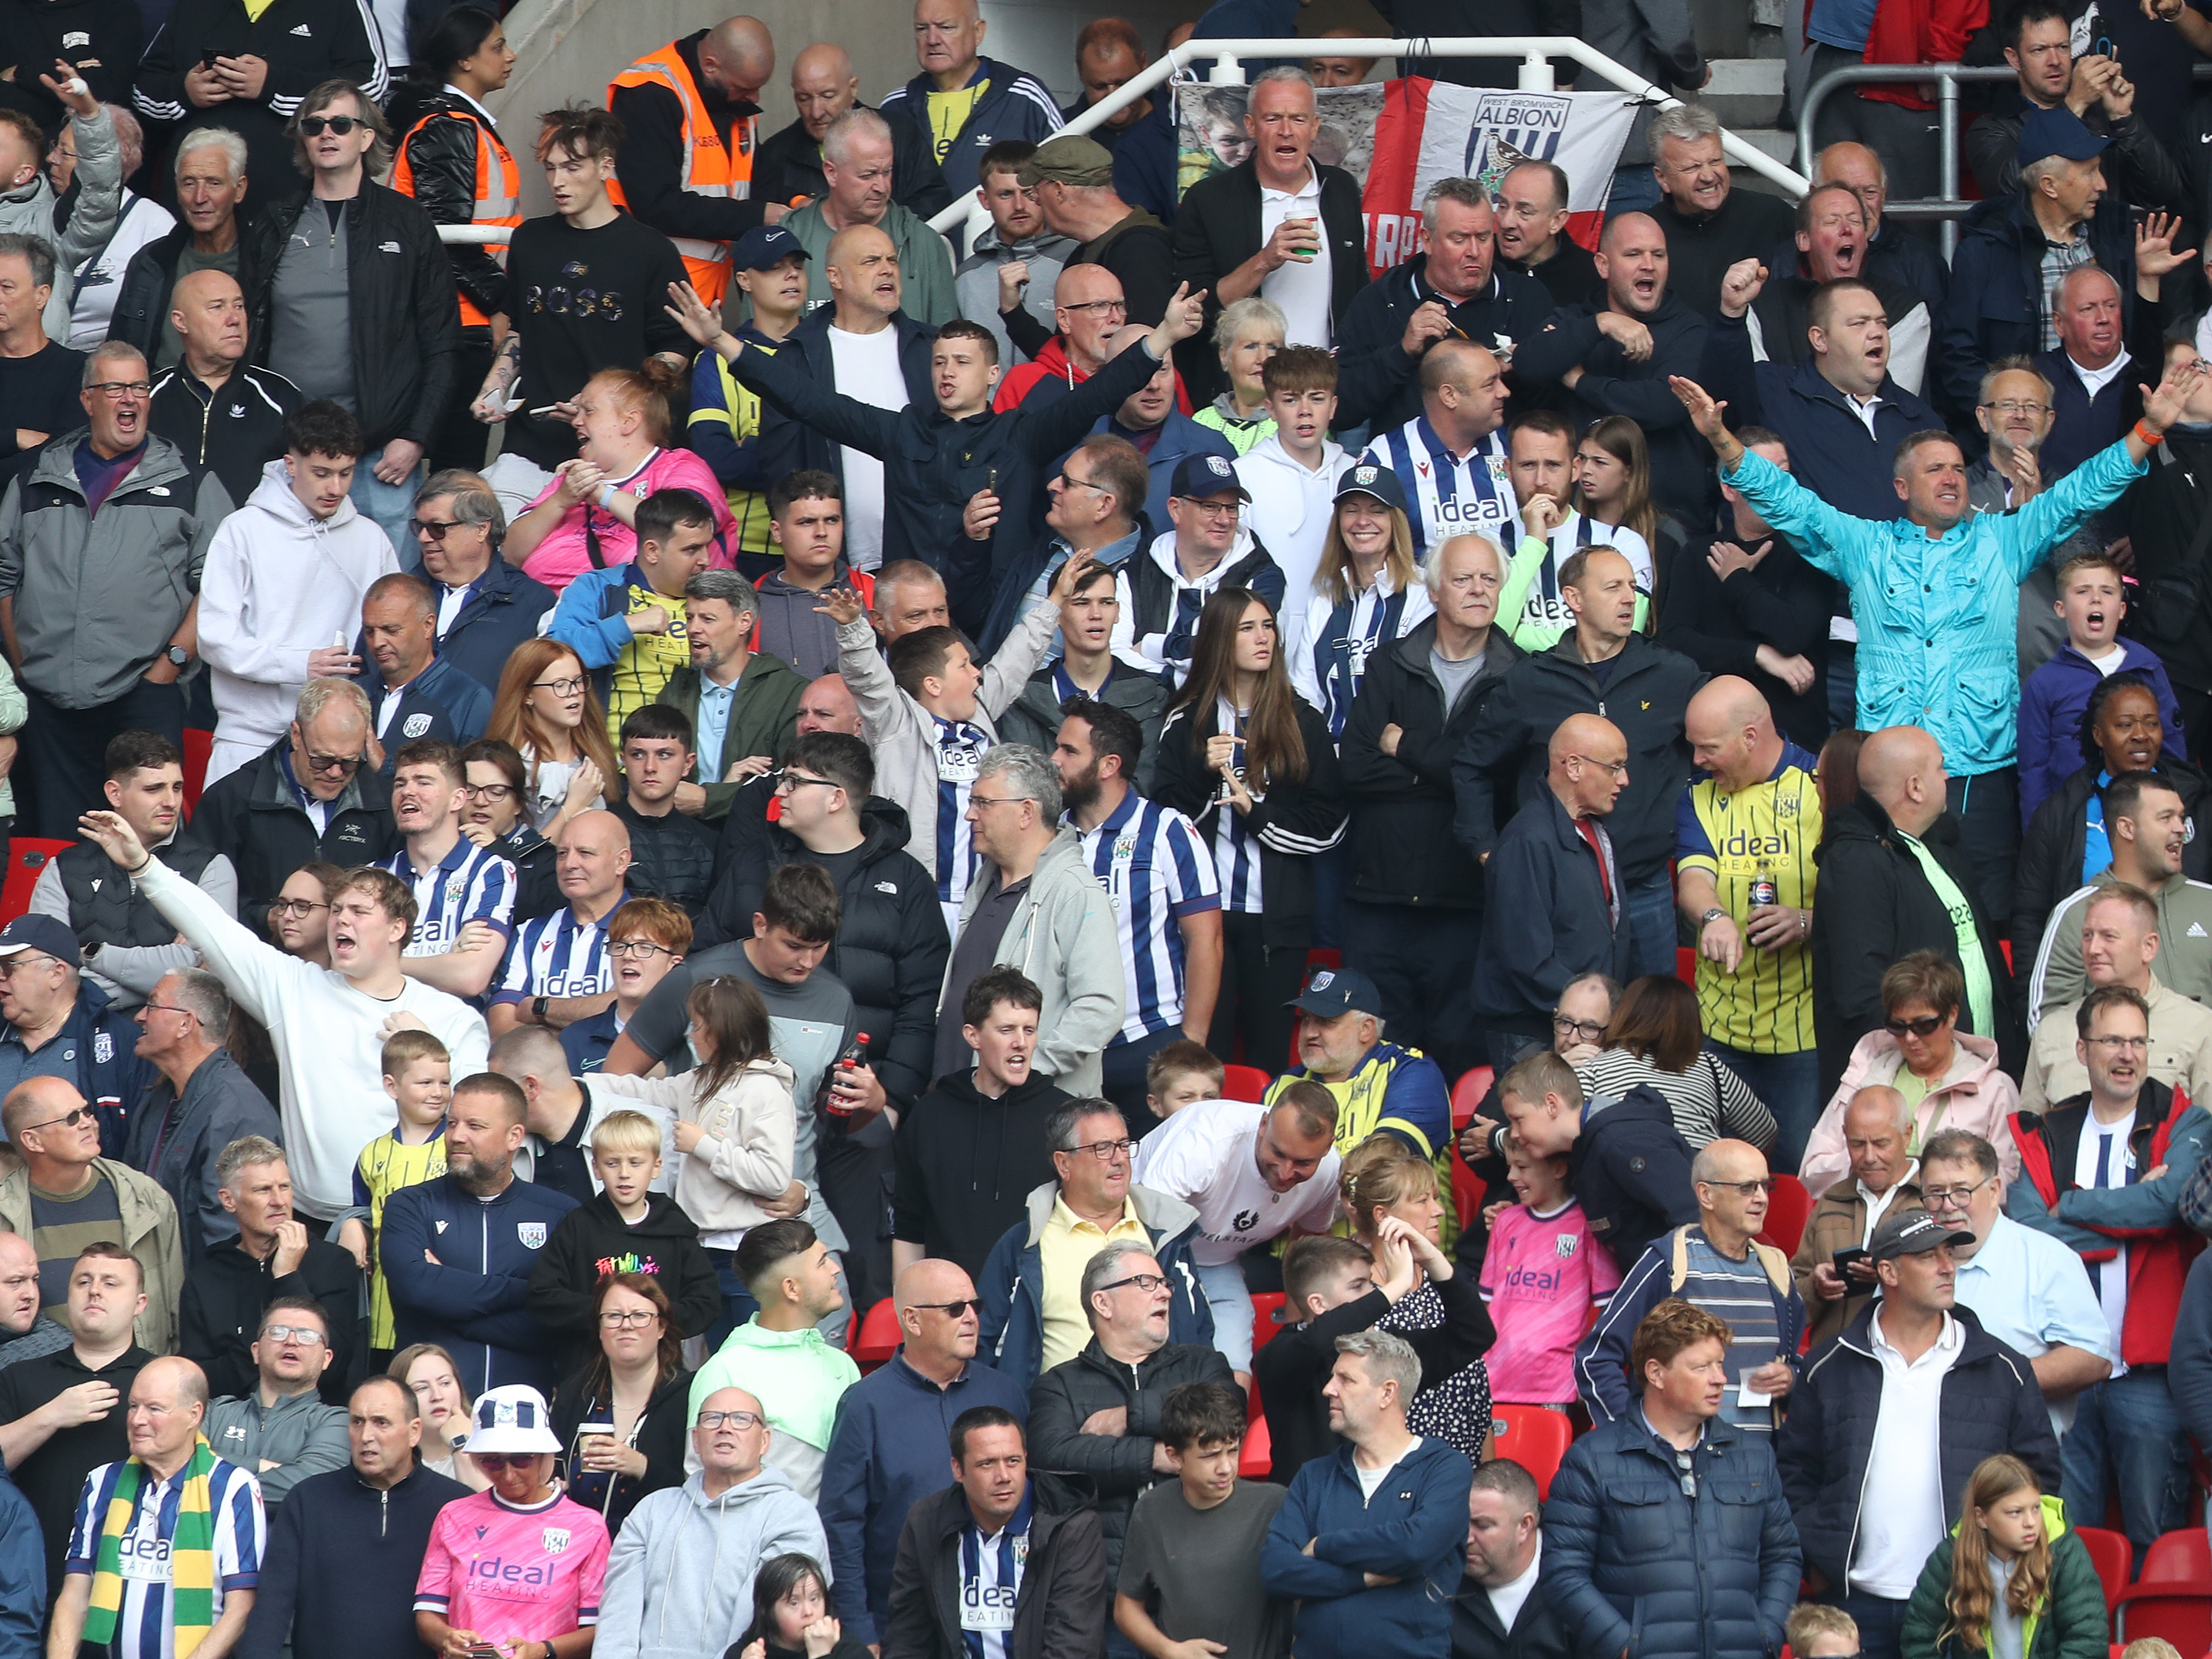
(30, 211)
(97, 599)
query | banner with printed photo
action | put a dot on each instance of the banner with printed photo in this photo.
(1211, 138)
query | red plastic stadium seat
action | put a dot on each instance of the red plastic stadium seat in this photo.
(2184, 1555)
(26, 860)
(1685, 965)
(1787, 1211)
(2177, 1612)
(879, 1336)
(197, 744)
(1467, 1094)
(1243, 1082)
(1534, 1437)
(1266, 1304)
(2111, 1551)
(1257, 1458)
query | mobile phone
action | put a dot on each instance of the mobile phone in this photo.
(1844, 1259)
(991, 480)
(2103, 48)
(207, 58)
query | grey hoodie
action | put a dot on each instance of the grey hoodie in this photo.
(1064, 937)
(679, 1581)
(977, 283)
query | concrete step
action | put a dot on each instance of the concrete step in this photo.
(1745, 91)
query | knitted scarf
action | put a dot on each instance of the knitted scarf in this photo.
(191, 1554)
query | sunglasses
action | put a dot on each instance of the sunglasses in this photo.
(435, 528)
(499, 1462)
(315, 125)
(1925, 1026)
(953, 1310)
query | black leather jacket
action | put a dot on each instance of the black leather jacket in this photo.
(441, 153)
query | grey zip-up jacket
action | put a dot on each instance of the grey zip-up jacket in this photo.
(30, 211)
(298, 1433)
(976, 284)
(1063, 937)
(97, 597)
(904, 734)
(679, 1580)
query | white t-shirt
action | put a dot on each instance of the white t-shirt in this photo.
(1372, 1480)
(391, 24)
(2107, 1142)
(867, 367)
(1300, 286)
(1897, 1535)
(1506, 1600)
(1204, 1156)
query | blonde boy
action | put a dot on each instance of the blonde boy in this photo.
(418, 1075)
(1179, 1074)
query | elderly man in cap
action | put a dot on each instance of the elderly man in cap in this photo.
(2015, 251)
(1074, 178)
(1380, 1087)
(1205, 549)
(1946, 1394)
(60, 1025)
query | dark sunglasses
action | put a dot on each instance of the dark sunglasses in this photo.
(1925, 1026)
(435, 528)
(953, 1310)
(312, 125)
(493, 1462)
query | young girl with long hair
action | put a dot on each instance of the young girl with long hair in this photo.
(2011, 1582)
(1241, 745)
(736, 1127)
(547, 709)
(1368, 591)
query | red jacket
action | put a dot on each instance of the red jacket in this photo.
(1919, 32)
(1021, 379)
(2158, 1257)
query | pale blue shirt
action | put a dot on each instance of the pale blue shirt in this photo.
(2032, 1293)
(715, 703)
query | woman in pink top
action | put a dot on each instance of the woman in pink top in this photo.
(519, 1567)
(585, 519)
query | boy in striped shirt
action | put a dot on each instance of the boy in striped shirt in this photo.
(464, 893)
(418, 1075)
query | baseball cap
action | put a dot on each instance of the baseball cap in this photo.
(511, 1419)
(1204, 476)
(1911, 1232)
(1366, 478)
(1333, 991)
(48, 933)
(764, 248)
(1071, 159)
(2048, 132)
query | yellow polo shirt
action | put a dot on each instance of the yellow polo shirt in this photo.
(1064, 1251)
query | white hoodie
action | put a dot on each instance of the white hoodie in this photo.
(279, 583)
(1289, 513)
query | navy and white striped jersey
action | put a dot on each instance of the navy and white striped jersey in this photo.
(960, 747)
(1153, 862)
(1445, 496)
(1544, 608)
(143, 1625)
(1235, 848)
(1330, 660)
(558, 956)
(470, 883)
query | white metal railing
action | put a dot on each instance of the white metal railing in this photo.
(1534, 51)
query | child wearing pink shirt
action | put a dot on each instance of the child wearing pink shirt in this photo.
(1541, 1276)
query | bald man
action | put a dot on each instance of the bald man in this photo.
(220, 412)
(1554, 897)
(1715, 1263)
(1614, 350)
(691, 115)
(1878, 1138)
(557, 970)
(1900, 882)
(962, 102)
(788, 167)
(857, 155)
(1744, 876)
(885, 1454)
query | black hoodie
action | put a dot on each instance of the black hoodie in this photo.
(220, 1313)
(966, 1166)
(593, 1239)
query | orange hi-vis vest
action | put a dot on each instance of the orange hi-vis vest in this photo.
(709, 169)
(497, 193)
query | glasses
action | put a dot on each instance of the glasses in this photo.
(1613, 767)
(116, 391)
(2113, 1045)
(499, 1462)
(735, 1419)
(643, 949)
(997, 800)
(1102, 1149)
(789, 780)
(2019, 406)
(954, 1310)
(299, 910)
(74, 1118)
(344, 764)
(1213, 509)
(616, 1318)
(566, 687)
(1109, 307)
(1146, 1282)
(1069, 481)
(1741, 1188)
(1951, 1198)
(1589, 1030)
(435, 528)
(169, 1008)
(488, 791)
(305, 1335)
(1926, 1026)
(315, 126)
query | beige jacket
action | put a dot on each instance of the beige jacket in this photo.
(2180, 1052)
(149, 1233)
(748, 1128)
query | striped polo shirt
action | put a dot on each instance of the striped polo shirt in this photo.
(1153, 862)
(559, 955)
(470, 883)
(143, 1628)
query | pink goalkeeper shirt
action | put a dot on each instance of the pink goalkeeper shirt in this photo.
(513, 1575)
(566, 552)
(1541, 1276)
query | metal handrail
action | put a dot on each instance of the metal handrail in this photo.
(1534, 51)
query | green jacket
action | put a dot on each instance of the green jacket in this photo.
(2070, 1624)
(927, 293)
(763, 718)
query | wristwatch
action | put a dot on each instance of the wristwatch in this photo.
(1711, 916)
(537, 1009)
(177, 655)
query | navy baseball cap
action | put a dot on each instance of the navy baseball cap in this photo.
(1201, 477)
(764, 248)
(1334, 991)
(2048, 132)
(1903, 1231)
(1366, 478)
(48, 933)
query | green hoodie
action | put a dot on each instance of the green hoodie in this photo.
(2070, 1622)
